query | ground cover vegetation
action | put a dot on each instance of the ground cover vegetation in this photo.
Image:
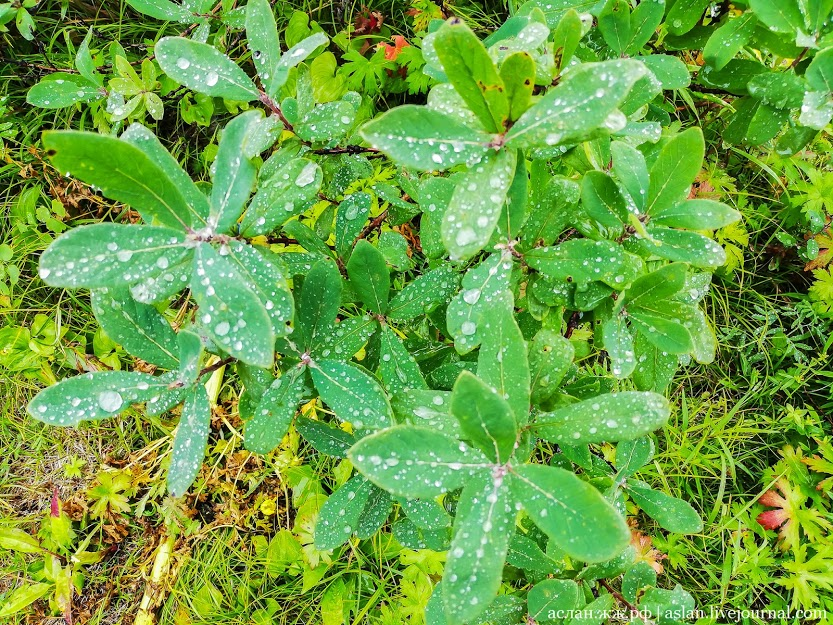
(416, 312)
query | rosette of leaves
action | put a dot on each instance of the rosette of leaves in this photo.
(467, 376)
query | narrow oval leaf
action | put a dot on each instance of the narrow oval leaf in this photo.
(63, 90)
(414, 462)
(470, 69)
(482, 529)
(397, 366)
(482, 289)
(262, 39)
(139, 328)
(486, 420)
(346, 338)
(142, 138)
(355, 396)
(105, 254)
(578, 106)
(164, 10)
(339, 516)
(204, 69)
(17, 540)
(571, 512)
(122, 171)
(476, 204)
(674, 515)
(235, 171)
(612, 417)
(230, 311)
(369, 276)
(418, 137)
(271, 419)
(550, 357)
(675, 169)
(697, 215)
(503, 362)
(319, 302)
(279, 198)
(94, 396)
(579, 261)
(424, 294)
(684, 246)
(268, 280)
(325, 439)
(190, 441)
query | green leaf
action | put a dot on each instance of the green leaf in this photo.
(470, 69)
(612, 417)
(17, 540)
(426, 408)
(783, 16)
(345, 338)
(369, 276)
(483, 287)
(729, 39)
(485, 417)
(142, 138)
(204, 69)
(696, 215)
(24, 596)
(778, 89)
(637, 578)
(524, 553)
(190, 441)
(424, 139)
(660, 328)
(684, 246)
(414, 462)
(94, 396)
(483, 526)
(350, 220)
(670, 71)
(654, 368)
(319, 302)
(123, 172)
(819, 74)
(684, 16)
(502, 362)
(264, 42)
(139, 328)
(614, 23)
(645, 20)
(566, 37)
(267, 279)
(550, 357)
(618, 342)
(354, 396)
(602, 200)
(571, 512)
(324, 438)
(518, 75)
(424, 294)
(274, 413)
(674, 515)
(579, 261)
(230, 311)
(106, 254)
(62, 90)
(164, 10)
(298, 53)
(675, 169)
(339, 516)
(630, 169)
(658, 285)
(578, 106)
(552, 596)
(425, 513)
(397, 367)
(633, 455)
(279, 198)
(235, 171)
(476, 204)
(550, 209)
